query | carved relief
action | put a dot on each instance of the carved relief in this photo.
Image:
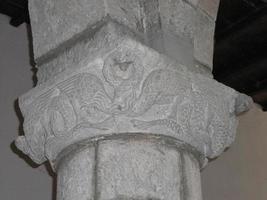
(160, 87)
(201, 111)
(61, 115)
(123, 72)
(194, 117)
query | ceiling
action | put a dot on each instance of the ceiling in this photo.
(16, 9)
(240, 56)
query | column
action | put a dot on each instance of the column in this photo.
(126, 107)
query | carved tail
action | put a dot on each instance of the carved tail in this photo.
(160, 122)
(143, 104)
(104, 125)
(243, 103)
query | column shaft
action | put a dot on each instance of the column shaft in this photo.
(137, 167)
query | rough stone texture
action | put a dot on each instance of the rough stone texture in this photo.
(75, 176)
(126, 88)
(104, 95)
(192, 174)
(177, 17)
(193, 2)
(210, 7)
(160, 23)
(124, 168)
(203, 47)
(138, 170)
(127, 12)
(108, 37)
(54, 22)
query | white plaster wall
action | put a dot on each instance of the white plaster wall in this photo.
(239, 174)
(17, 179)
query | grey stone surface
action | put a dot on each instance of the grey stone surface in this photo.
(62, 21)
(210, 7)
(192, 181)
(138, 170)
(204, 39)
(108, 37)
(54, 24)
(178, 17)
(193, 2)
(111, 84)
(75, 175)
(127, 12)
(132, 167)
(122, 87)
(243, 104)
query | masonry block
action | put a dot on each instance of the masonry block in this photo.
(54, 22)
(177, 17)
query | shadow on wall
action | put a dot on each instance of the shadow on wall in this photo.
(31, 53)
(25, 157)
(20, 118)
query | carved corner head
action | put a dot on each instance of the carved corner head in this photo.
(22, 144)
(243, 103)
(33, 142)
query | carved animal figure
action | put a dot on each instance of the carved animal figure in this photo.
(188, 117)
(160, 87)
(124, 73)
(193, 111)
(80, 100)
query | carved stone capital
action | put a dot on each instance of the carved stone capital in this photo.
(125, 87)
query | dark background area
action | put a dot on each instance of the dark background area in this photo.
(240, 56)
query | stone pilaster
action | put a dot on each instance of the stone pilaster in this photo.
(125, 106)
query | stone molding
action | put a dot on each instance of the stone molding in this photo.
(54, 23)
(128, 88)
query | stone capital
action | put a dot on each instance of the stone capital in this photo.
(123, 87)
(126, 106)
